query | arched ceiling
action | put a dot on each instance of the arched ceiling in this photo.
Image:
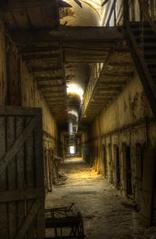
(87, 13)
(80, 13)
(61, 49)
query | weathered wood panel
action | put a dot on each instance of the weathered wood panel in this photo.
(13, 75)
(21, 174)
(3, 86)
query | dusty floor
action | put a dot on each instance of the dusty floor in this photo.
(106, 214)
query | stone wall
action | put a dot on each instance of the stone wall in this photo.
(19, 88)
(32, 97)
(123, 143)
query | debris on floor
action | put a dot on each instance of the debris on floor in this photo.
(105, 215)
(64, 222)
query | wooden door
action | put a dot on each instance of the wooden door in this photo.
(153, 220)
(21, 174)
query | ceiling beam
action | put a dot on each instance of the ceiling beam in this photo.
(81, 34)
(45, 69)
(55, 91)
(53, 101)
(112, 83)
(53, 87)
(11, 5)
(48, 78)
(54, 96)
(42, 56)
(118, 74)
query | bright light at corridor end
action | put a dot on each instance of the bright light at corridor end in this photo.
(72, 150)
(75, 89)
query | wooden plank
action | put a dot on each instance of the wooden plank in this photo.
(19, 111)
(40, 56)
(54, 87)
(16, 4)
(21, 183)
(49, 78)
(39, 166)
(16, 146)
(13, 77)
(28, 220)
(47, 69)
(30, 172)
(53, 91)
(88, 34)
(12, 174)
(19, 195)
(3, 182)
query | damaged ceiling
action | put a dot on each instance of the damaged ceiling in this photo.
(61, 43)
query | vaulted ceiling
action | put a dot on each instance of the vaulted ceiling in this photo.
(61, 43)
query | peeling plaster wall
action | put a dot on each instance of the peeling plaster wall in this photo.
(19, 88)
(129, 107)
(127, 123)
(32, 97)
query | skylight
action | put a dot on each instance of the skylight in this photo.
(75, 89)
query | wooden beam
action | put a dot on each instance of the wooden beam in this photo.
(104, 97)
(12, 5)
(48, 78)
(81, 34)
(54, 96)
(88, 33)
(118, 74)
(88, 52)
(49, 84)
(112, 83)
(51, 98)
(46, 68)
(18, 195)
(108, 87)
(40, 56)
(58, 105)
(53, 87)
(104, 92)
(84, 59)
(121, 64)
(51, 92)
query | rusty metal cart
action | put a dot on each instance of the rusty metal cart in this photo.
(64, 222)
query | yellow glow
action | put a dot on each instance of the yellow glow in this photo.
(73, 88)
(94, 4)
(73, 112)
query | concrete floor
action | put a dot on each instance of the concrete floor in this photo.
(106, 214)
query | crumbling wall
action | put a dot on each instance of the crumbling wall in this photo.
(19, 88)
(32, 97)
(123, 140)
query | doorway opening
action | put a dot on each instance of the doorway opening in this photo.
(128, 170)
(110, 163)
(117, 166)
(105, 161)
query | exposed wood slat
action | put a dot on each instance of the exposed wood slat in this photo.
(68, 34)
(28, 220)
(17, 144)
(18, 195)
